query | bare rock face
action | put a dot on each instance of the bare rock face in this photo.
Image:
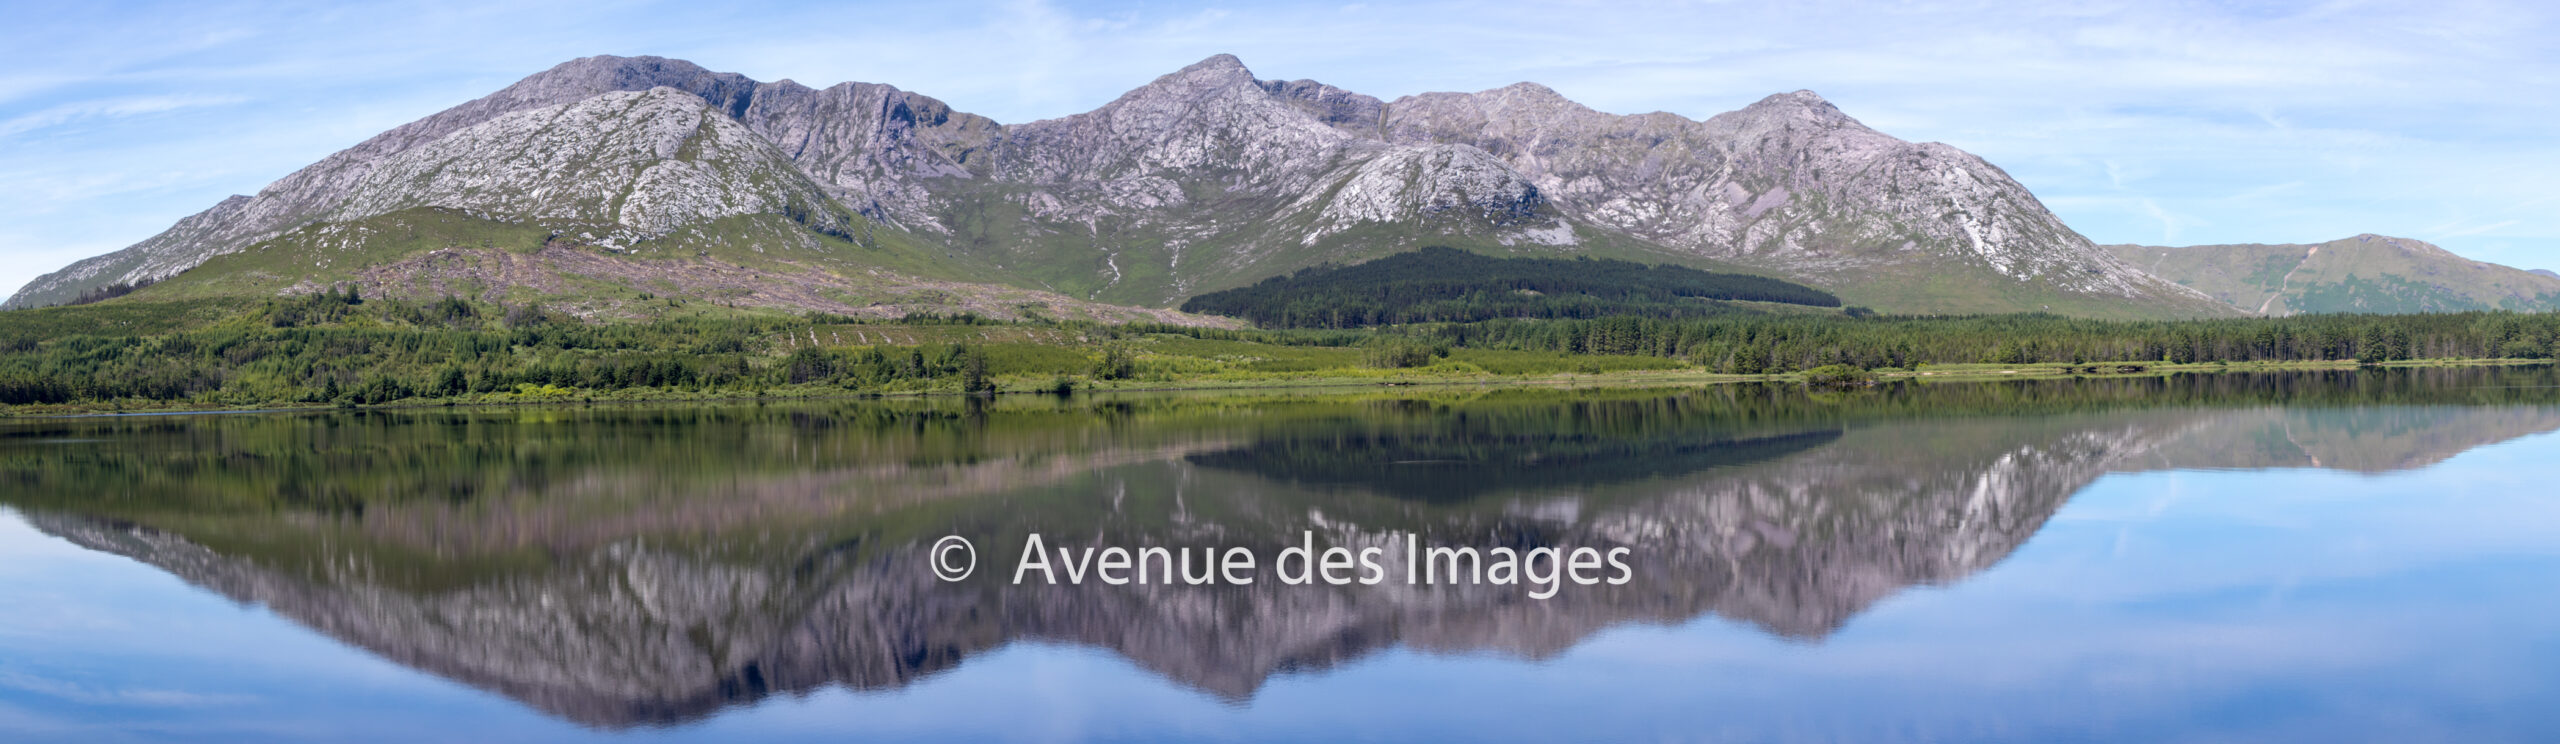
(649, 162)
(871, 146)
(1208, 118)
(319, 189)
(1341, 109)
(1209, 178)
(1414, 182)
(1789, 183)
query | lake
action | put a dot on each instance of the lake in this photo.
(2299, 556)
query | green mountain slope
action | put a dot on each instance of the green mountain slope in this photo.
(2363, 274)
(734, 264)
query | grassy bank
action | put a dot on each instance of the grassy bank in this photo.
(331, 349)
(1329, 382)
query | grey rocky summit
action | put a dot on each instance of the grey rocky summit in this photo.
(1788, 183)
(1210, 178)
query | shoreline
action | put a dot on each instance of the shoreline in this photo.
(1933, 373)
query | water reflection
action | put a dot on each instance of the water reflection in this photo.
(619, 567)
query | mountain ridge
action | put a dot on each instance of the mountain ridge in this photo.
(2365, 273)
(1210, 178)
(292, 201)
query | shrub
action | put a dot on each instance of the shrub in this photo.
(1115, 363)
(1837, 375)
(1401, 353)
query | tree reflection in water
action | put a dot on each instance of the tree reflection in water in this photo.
(629, 566)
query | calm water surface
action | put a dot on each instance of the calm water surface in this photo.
(2299, 557)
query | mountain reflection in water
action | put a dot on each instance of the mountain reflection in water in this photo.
(627, 566)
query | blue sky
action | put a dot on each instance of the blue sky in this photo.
(2151, 122)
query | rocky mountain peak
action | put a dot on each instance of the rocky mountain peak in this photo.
(1217, 72)
(1212, 116)
(1802, 96)
(1219, 85)
(588, 76)
(320, 188)
(1532, 103)
(1218, 63)
(1802, 109)
(648, 161)
(1528, 93)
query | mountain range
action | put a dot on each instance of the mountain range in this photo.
(606, 182)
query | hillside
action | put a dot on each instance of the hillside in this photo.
(1442, 285)
(729, 266)
(1204, 179)
(620, 205)
(2362, 274)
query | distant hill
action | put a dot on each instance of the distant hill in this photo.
(1438, 284)
(2362, 274)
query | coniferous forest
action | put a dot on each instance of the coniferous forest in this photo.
(1445, 285)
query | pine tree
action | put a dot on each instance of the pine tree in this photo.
(973, 373)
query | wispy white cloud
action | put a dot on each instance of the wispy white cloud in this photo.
(90, 694)
(2460, 232)
(2170, 224)
(71, 113)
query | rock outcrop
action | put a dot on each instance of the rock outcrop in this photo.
(646, 162)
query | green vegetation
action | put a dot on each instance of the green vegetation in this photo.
(1764, 344)
(1837, 375)
(2363, 274)
(744, 265)
(338, 347)
(108, 292)
(1440, 285)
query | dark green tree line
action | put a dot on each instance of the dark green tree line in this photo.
(1440, 285)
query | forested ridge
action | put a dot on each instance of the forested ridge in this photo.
(1444, 285)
